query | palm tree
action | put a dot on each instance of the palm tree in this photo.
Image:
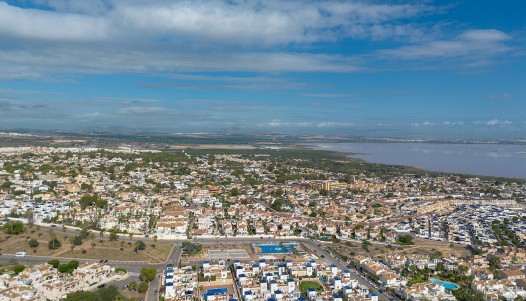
(101, 233)
(137, 247)
(92, 238)
(155, 241)
(130, 235)
(122, 245)
(72, 247)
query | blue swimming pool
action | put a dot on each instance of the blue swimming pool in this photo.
(284, 248)
(445, 284)
(216, 291)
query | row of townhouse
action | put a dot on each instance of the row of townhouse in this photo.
(265, 280)
(179, 283)
(43, 282)
(174, 221)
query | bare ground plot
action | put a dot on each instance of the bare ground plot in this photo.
(421, 246)
(132, 294)
(228, 254)
(104, 249)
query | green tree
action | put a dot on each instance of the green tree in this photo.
(64, 268)
(87, 201)
(114, 234)
(7, 184)
(155, 237)
(13, 227)
(92, 200)
(140, 245)
(81, 296)
(109, 293)
(234, 192)
(54, 263)
(92, 239)
(143, 287)
(33, 243)
(54, 244)
(405, 239)
(74, 264)
(276, 205)
(148, 273)
(76, 240)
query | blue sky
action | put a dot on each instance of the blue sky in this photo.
(378, 68)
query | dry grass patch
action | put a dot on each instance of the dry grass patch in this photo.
(104, 248)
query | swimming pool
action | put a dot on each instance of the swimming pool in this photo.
(284, 248)
(216, 291)
(445, 284)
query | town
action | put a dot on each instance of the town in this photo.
(266, 224)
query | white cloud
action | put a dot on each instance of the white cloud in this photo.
(137, 110)
(312, 124)
(334, 124)
(146, 36)
(99, 36)
(453, 123)
(436, 124)
(51, 26)
(90, 7)
(498, 122)
(249, 22)
(472, 43)
(422, 124)
(328, 95)
(498, 96)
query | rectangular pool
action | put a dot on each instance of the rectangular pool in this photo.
(283, 248)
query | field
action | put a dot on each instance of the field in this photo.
(305, 285)
(103, 249)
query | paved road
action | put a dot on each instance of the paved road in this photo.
(155, 285)
(320, 250)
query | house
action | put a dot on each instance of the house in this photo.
(512, 274)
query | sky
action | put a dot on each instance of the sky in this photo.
(452, 69)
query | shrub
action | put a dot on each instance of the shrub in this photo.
(74, 264)
(64, 268)
(141, 245)
(33, 243)
(18, 268)
(54, 263)
(148, 273)
(143, 287)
